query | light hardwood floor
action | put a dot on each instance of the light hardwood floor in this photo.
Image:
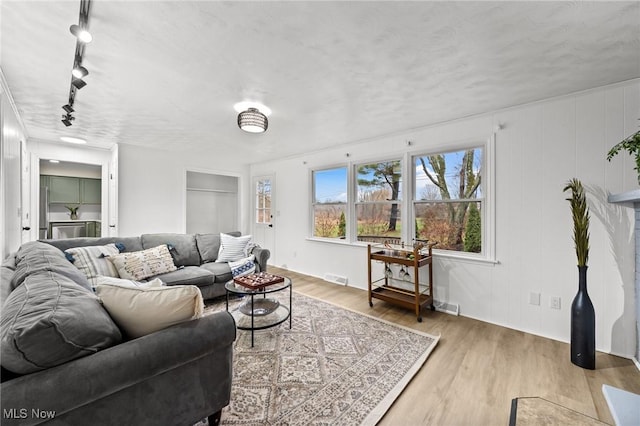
(478, 368)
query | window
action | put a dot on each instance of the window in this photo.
(378, 203)
(448, 200)
(330, 203)
(263, 201)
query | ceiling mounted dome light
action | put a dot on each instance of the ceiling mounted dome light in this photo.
(82, 34)
(70, 139)
(253, 121)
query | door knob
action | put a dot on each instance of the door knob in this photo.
(271, 225)
(26, 228)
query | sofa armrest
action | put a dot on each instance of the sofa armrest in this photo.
(262, 255)
(82, 381)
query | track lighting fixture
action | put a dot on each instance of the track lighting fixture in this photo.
(81, 33)
(67, 119)
(78, 83)
(79, 72)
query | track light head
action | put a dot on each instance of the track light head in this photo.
(67, 119)
(78, 83)
(68, 108)
(82, 34)
(79, 72)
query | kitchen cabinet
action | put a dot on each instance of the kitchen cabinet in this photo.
(72, 190)
(63, 189)
(90, 191)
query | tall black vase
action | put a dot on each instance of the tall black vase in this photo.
(583, 325)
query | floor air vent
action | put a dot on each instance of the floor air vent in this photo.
(337, 279)
(449, 308)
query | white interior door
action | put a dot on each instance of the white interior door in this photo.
(112, 193)
(25, 193)
(263, 213)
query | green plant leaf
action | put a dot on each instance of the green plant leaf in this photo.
(580, 214)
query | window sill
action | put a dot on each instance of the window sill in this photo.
(466, 258)
(436, 253)
(330, 241)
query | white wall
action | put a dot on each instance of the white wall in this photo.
(542, 145)
(152, 188)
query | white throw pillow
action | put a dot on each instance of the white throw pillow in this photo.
(92, 261)
(243, 266)
(141, 311)
(156, 282)
(233, 248)
(139, 265)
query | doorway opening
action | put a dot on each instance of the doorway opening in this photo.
(70, 200)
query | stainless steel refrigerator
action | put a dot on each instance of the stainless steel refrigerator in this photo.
(44, 213)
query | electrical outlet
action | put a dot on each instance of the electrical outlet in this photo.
(534, 298)
(554, 302)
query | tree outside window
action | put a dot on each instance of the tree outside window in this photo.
(379, 200)
(330, 203)
(448, 199)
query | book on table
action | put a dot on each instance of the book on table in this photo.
(258, 280)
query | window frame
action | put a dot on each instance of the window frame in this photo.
(407, 191)
(400, 202)
(487, 252)
(262, 209)
(313, 203)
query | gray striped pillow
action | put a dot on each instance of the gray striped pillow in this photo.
(233, 248)
(92, 261)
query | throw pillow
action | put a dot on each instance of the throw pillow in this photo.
(244, 266)
(49, 320)
(92, 261)
(156, 282)
(233, 248)
(139, 265)
(141, 311)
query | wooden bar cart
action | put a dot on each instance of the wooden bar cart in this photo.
(406, 290)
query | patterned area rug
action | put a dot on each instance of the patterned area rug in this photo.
(334, 367)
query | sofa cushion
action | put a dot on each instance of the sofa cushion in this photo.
(243, 266)
(92, 261)
(189, 275)
(139, 265)
(156, 282)
(49, 320)
(129, 243)
(182, 247)
(141, 311)
(221, 271)
(233, 248)
(34, 257)
(208, 246)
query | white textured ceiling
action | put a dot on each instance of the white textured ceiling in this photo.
(166, 74)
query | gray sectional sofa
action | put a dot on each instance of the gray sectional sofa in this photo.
(194, 254)
(81, 368)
